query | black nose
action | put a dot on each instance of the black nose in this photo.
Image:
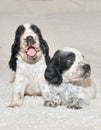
(30, 39)
(86, 67)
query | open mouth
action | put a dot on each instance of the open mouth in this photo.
(31, 52)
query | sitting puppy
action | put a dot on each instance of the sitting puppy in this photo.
(29, 57)
(68, 75)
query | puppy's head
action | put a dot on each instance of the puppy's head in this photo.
(29, 44)
(67, 65)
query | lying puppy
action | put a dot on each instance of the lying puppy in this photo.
(29, 57)
(68, 75)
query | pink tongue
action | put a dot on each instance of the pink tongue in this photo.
(31, 52)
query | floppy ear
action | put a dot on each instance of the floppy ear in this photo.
(45, 48)
(15, 47)
(53, 73)
(43, 44)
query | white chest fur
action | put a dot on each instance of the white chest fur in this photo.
(30, 75)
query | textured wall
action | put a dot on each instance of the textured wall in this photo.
(52, 6)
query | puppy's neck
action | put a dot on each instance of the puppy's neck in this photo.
(82, 83)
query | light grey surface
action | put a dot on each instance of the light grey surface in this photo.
(73, 23)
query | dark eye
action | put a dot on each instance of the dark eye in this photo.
(70, 60)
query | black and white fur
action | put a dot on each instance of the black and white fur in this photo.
(68, 75)
(29, 71)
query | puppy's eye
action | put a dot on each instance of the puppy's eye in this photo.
(70, 60)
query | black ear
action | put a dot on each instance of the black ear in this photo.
(43, 44)
(53, 73)
(16, 47)
(45, 48)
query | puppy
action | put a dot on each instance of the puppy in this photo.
(29, 57)
(69, 78)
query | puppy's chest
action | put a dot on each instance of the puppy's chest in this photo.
(37, 71)
(32, 71)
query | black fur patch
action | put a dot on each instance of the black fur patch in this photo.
(16, 47)
(60, 62)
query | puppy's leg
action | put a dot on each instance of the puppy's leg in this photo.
(53, 101)
(50, 95)
(19, 87)
(18, 95)
(75, 103)
(74, 97)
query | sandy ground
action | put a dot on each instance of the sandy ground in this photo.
(63, 23)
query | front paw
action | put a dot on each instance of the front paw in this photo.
(17, 100)
(73, 106)
(74, 103)
(50, 104)
(16, 104)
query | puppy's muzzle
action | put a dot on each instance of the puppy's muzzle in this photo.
(30, 40)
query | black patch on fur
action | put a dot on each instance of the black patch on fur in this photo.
(60, 62)
(66, 61)
(16, 47)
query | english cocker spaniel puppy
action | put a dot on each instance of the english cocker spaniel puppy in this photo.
(29, 57)
(69, 78)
